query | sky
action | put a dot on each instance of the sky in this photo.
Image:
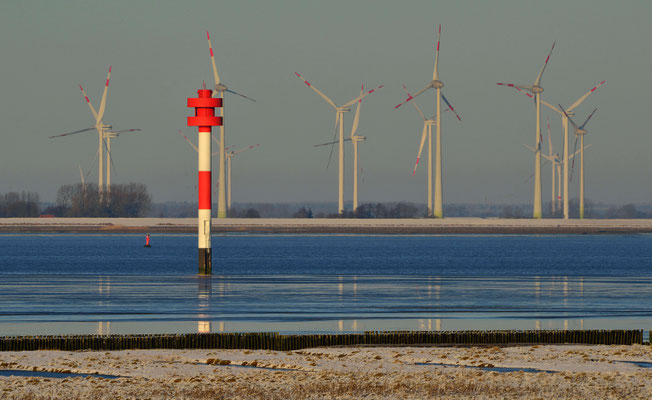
(159, 55)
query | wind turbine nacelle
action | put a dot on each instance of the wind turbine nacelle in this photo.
(580, 132)
(537, 89)
(105, 126)
(437, 84)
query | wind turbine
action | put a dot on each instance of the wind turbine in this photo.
(339, 121)
(557, 162)
(99, 127)
(580, 132)
(229, 157)
(564, 121)
(536, 90)
(355, 139)
(219, 90)
(437, 85)
(427, 130)
(102, 132)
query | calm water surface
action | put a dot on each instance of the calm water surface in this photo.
(52, 284)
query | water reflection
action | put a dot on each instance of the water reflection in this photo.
(204, 291)
(321, 303)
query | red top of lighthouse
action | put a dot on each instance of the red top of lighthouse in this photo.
(204, 107)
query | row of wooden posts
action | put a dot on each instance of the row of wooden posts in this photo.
(276, 341)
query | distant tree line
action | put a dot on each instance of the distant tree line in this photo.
(367, 210)
(19, 205)
(243, 213)
(84, 200)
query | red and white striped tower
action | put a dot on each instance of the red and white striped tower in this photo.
(204, 119)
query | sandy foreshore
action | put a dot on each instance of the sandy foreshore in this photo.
(317, 226)
(571, 371)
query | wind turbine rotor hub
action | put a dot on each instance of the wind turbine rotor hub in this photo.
(220, 87)
(437, 84)
(537, 89)
(580, 132)
(343, 109)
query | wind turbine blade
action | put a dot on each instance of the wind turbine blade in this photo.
(578, 151)
(550, 106)
(451, 107)
(362, 96)
(538, 81)
(189, 142)
(573, 164)
(569, 118)
(423, 140)
(330, 156)
(356, 119)
(588, 118)
(217, 142)
(549, 136)
(517, 87)
(100, 112)
(428, 86)
(239, 94)
(88, 102)
(323, 96)
(245, 149)
(81, 174)
(414, 103)
(126, 130)
(108, 152)
(216, 76)
(435, 72)
(334, 142)
(581, 99)
(72, 133)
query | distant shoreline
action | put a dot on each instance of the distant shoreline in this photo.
(328, 226)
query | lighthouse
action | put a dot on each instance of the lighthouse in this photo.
(204, 119)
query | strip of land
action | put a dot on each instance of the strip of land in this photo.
(329, 226)
(541, 372)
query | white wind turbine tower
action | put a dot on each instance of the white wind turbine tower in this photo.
(553, 164)
(339, 121)
(557, 163)
(108, 135)
(437, 85)
(536, 90)
(580, 132)
(229, 157)
(428, 123)
(355, 139)
(219, 90)
(564, 121)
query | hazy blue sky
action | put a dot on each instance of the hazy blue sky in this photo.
(159, 55)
